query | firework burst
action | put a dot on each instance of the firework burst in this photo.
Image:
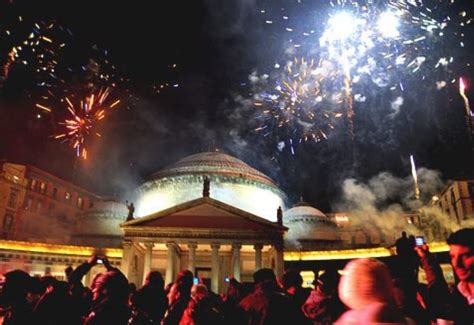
(83, 122)
(365, 45)
(297, 103)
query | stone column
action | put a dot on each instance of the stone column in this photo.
(279, 262)
(236, 260)
(215, 267)
(148, 258)
(258, 256)
(126, 258)
(169, 277)
(192, 257)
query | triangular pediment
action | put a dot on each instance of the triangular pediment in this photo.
(204, 213)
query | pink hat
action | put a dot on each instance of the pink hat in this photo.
(364, 282)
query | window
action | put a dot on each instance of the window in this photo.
(12, 199)
(67, 196)
(43, 187)
(33, 184)
(55, 192)
(470, 188)
(80, 202)
(7, 222)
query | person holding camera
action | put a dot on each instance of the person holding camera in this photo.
(456, 305)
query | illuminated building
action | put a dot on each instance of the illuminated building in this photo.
(210, 213)
(227, 229)
(456, 200)
(233, 182)
(40, 215)
(35, 204)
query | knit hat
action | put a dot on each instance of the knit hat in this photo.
(364, 282)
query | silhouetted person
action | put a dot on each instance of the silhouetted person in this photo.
(268, 303)
(149, 303)
(56, 306)
(292, 282)
(202, 309)
(16, 309)
(230, 301)
(109, 300)
(403, 246)
(323, 306)
(178, 298)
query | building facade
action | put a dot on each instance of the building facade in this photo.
(35, 204)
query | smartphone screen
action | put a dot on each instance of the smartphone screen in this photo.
(100, 261)
(419, 240)
(196, 280)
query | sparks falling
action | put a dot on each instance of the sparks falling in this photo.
(462, 92)
(415, 177)
(82, 125)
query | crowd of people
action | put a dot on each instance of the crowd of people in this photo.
(367, 291)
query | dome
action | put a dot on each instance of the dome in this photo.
(309, 224)
(232, 181)
(100, 225)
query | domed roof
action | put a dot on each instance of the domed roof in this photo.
(307, 226)
(215, 163)
(232, 181)
(302, 209)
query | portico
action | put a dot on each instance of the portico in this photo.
(208, 237)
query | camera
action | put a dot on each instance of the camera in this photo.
(100, 261)
(419, 240)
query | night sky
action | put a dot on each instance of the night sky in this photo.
(215, 46)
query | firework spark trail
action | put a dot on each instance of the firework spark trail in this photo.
(467, 106)
(415, 177)
(462, 92)
(350, 105)
(81, 126)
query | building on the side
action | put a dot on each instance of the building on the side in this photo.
(456, 200)
(38, 206)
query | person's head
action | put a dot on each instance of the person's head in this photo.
(264, 275)
(292, 279)
(68, 271)
(404, 234)
(199, 291)
(461, 251)
(184, 280)
(111, 285)
(328, 281)
(155, 279)
(364, 282)
(16, 286)
(234, 288)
